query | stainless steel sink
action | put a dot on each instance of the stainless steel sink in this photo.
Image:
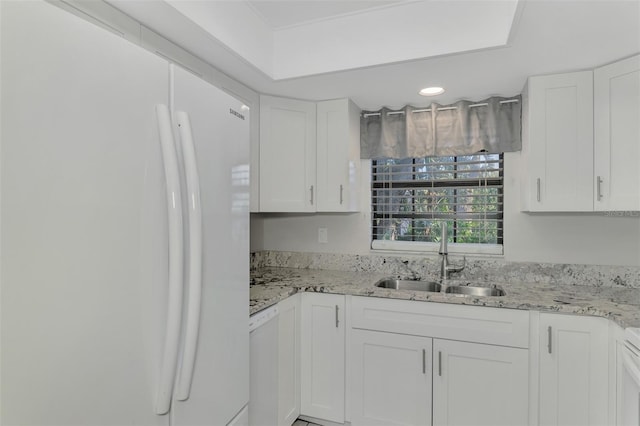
(474, 291)
(434, 287)
(409, 285)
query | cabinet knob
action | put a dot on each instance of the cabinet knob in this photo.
(340, 194)
(538, 188)
(311, 190)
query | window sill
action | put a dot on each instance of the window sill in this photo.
(454, 248)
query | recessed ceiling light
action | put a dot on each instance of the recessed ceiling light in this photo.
(431, 91)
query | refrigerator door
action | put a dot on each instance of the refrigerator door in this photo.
(83, 220)
(220, 380)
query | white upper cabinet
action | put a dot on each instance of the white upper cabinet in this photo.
(287, 155)
(617, 135)
(309, 155)
(581, 140)
(338, 155)
(558, 143)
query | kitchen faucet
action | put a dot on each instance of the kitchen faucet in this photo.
(445, 268)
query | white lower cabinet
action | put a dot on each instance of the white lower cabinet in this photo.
(391, 379)
(323, 356)
(573, 370)
(289, 360)
(397, 379)
(475, 384)
(410, 365)
(417, 363)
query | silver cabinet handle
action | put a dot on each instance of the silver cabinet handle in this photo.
(549, 336)
(341, 194)
(440, 363)
(424, 361)
(311, 189)
(337, 318)
(599, 187)
(538, 186)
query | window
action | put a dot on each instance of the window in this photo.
(412, 198)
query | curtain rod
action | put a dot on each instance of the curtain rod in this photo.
(372, 114)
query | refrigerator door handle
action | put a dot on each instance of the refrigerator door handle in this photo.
(176, 243)
(185, 375)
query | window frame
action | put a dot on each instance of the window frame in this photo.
(425, 247)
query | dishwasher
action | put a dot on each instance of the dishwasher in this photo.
(263, 367)
(630, 389)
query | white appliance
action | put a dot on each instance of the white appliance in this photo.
(630, 380)
(124, 232)
(263, 373)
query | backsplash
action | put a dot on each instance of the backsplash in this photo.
(483, 270)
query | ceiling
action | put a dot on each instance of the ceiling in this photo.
(283, 14)
(547, 36)
(323, 38)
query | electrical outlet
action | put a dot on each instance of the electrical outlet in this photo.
(323, 235)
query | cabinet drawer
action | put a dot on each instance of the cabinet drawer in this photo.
(497, 326)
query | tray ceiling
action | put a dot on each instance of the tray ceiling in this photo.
(322, 37)
(282, 14)
(547, 36)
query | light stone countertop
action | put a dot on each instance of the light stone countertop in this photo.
(620, 304)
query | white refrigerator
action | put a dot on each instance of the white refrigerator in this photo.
(124, 210)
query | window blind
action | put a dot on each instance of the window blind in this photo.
(413, 198)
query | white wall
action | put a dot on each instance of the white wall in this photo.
(588, 238)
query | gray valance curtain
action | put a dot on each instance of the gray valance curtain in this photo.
(492, 125)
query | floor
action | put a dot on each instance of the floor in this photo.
(303, 423)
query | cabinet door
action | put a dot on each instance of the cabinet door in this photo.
(323, 356)
(287, 155)
(338, 155)
(391, 379)
(558, 142)
(617, 135)
(476, 384)
(573, 370)
(289, 360)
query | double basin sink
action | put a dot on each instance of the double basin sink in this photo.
(435, 287)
